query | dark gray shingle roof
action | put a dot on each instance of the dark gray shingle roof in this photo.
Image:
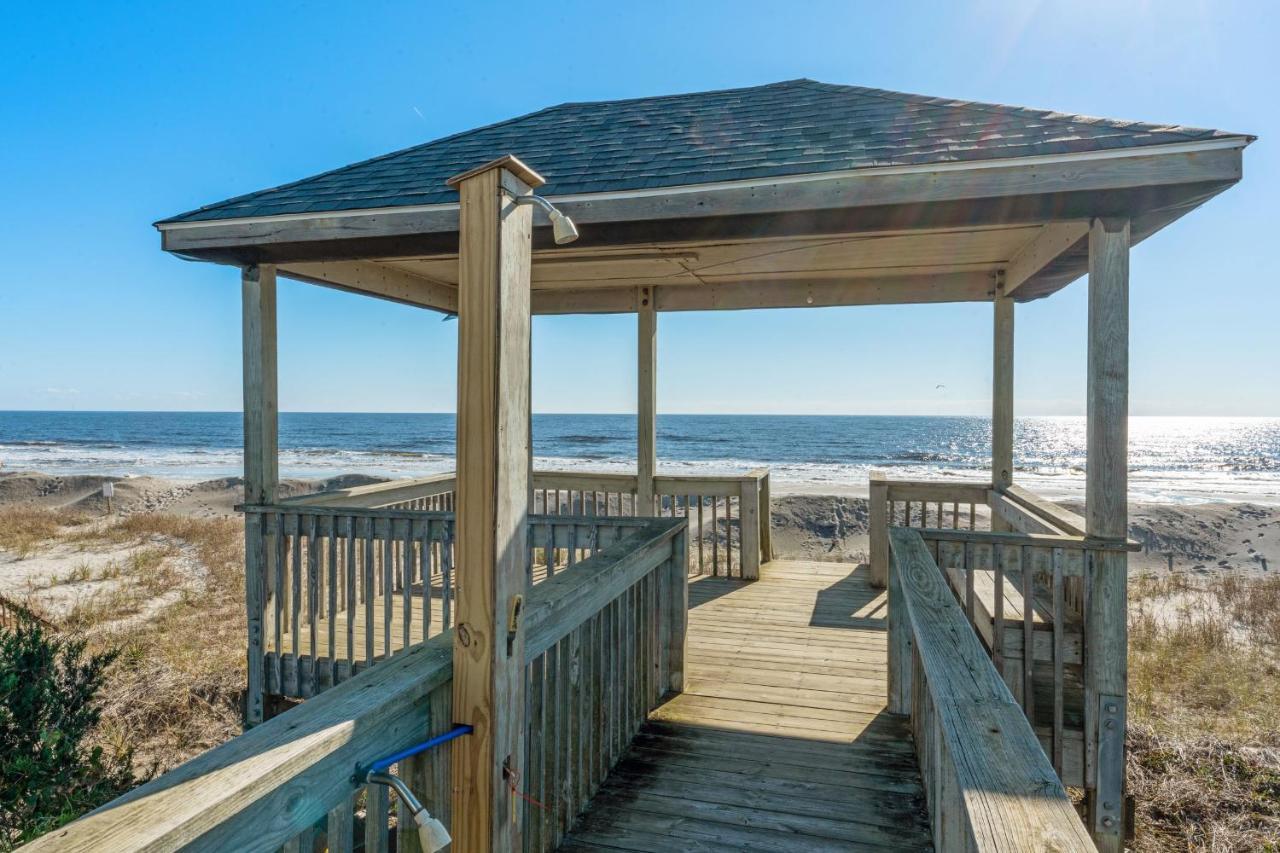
(789, 128)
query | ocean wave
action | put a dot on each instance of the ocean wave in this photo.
(585, 439)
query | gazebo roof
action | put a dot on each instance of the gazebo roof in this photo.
(782, 129)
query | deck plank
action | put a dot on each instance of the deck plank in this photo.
(781, 740)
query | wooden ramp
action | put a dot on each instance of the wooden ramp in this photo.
(780, 741)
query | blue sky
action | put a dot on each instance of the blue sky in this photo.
(113, 115)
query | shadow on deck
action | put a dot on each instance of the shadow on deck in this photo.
(781, 740)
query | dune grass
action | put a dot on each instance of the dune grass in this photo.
(1204, 734)
(177, 687)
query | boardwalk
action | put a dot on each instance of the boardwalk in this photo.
(780, 741)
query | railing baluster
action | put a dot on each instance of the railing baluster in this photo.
(340, 828)
(715, 539)
(1059, 616)
(277, 665)
(1028, 634)
(426, 550)
(406, 585)
(376, 819)
(366, 531)
(295, 606)
(446, 576)
(997, 627)
(970, 598)
(307, 664)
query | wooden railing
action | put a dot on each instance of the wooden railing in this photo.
(988, 783)
(728, 516)
(335, 589)
(610, 647)
(1018, 567)
(289, 782)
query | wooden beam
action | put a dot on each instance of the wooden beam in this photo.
(1052, 240)
(375, 279)
(492, 507)
(261, 463)
(646, 400)
(1106, 508)
(884, 290)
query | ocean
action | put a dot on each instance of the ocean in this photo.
(1171, 459)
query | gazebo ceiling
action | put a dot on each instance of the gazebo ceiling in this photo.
(799, 192)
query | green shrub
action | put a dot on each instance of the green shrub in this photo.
(49, 774)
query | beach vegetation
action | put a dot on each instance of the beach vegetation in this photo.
(52, 769)
(1204, 733)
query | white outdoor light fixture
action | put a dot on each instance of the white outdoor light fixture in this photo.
(562, 226)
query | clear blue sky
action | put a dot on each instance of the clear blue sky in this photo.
(113, 115)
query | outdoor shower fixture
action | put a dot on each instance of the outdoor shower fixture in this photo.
(561, 226)
(431, 832)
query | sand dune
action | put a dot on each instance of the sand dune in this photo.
(1201, 538)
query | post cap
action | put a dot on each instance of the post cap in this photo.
(511, 163)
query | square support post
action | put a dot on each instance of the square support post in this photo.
(1002, 393)
(492, 501)
(646, 400)
(1106, 507)
(261, 466)
(878, 529)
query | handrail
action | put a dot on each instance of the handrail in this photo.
(1065, 520)
(1042, 540)
(278, 779)
(377, 494)
(988, 783)
(262, 788)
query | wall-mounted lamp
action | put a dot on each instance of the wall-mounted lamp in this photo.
(562, 227)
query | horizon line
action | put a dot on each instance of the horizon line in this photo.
(599, 414)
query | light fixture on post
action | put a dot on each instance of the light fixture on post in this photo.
(562, 226)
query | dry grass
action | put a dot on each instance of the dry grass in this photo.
(178, 685)
(1204, 686)
(22, 528)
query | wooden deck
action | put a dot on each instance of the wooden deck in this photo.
(781, 740)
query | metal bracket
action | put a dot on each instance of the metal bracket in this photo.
(1108, 814)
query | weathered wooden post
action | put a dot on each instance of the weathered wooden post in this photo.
(492, 501)
(1106, 507)
(646, 399)
(878, 529)
(261, 471)
(1002, 397)
(749, 523)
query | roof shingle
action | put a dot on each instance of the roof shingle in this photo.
(789, 128)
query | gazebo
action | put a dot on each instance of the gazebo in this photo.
(636, 670)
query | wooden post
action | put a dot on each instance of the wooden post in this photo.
(766, 518)
(1001, 399)
(261, 471)
(1106, 507)
(492, 501)
(901, 655)
(749, 524)
(646, 400)
(878, 523)
(675, 614)
(1002, 394)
